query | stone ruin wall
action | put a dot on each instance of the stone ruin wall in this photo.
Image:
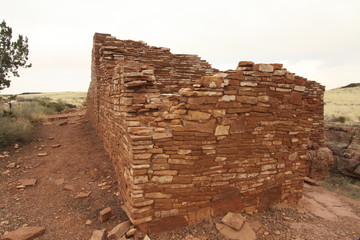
(189, 142)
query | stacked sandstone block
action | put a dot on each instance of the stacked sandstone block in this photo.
(189, 142)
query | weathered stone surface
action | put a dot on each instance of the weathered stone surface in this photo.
(289, 76)
(98, 234)
(296, 98)
(212, 81)
(206, 127)
(264, 68)
(245, 233)
(197, 115)
(245, 64)
(344, 143)
(227, 98)
(222, 130)
(24, 233)
(119, 230)
(234, 220)
(162, 135)
(238, 125)
(321, 161)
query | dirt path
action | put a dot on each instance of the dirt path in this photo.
(81, 163)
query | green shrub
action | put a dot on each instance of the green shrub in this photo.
(339, 119)
(14, 129)
(55, 106)
(69, 105)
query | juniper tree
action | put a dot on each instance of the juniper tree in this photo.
(13, 54)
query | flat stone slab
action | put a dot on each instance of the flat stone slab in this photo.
(245, 233)
(24, 233)
(28, 182)
(234, 220)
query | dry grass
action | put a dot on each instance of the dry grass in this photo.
(16, 124)
(76, 98)
(343, 102)
(14, 130)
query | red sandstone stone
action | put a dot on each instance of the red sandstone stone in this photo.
(24, 233)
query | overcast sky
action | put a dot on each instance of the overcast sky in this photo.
(316, 39)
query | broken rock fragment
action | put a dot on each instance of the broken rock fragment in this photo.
(28, 182)
(105, 214)
(69, 187)
(311, 181)
(236, 227)
(24, 233)
(11, 165)
(83, 195)
(131, 232)
(98, 234)
(42, 154)
(119, 231)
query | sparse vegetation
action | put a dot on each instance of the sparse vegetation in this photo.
(13, 130)
(32, 111)
(16, 124)
(75, 98)
(346, 186)
(58, 106)
(17, 117)
(339, 119)
(343, 104)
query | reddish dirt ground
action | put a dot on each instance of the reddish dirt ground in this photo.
(81, 161)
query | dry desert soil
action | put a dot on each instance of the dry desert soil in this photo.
(76, 162)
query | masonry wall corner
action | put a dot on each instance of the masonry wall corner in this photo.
(189, 142)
